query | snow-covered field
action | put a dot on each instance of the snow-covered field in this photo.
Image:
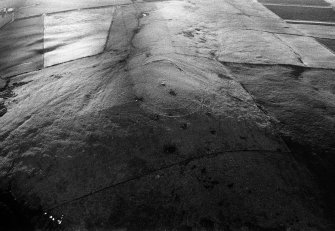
(191, 119)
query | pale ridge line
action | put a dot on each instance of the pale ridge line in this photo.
(310, 22)
(297, 5)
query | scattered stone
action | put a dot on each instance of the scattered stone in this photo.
(170, 148)
(209, 114)
(139, 98)
(3, 84)
(188, 34)
(3, 110)
(184, 126)
(221, 76)
(57, 76)
(144, 15)
(230, 185)
(172, 92)
(185, 228)
(207, 224)
(155, 117)
(147, 54)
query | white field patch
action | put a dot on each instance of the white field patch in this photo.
(312, 53)
(331, 2)
(318, 31)
(77, 34)
(21, 47)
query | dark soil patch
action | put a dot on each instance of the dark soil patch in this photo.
(298, 71)
(322, 168)
(297, 97)
(15, 215)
